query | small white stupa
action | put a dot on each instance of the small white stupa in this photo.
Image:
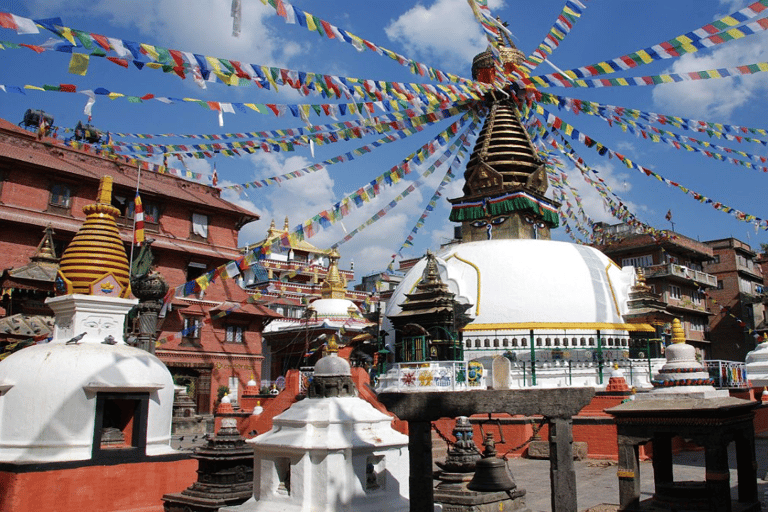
(757, 364)
(682, 376)
(87, 394)
(330, 452)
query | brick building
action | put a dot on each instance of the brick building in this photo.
(673, 266)
(296, 275)
(44, 183)
(736, 301)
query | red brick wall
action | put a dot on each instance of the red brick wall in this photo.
(120, 488)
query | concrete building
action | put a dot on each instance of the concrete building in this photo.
(45, 184)
(736, 300)
(673, 265)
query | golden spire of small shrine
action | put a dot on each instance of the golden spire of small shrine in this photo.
(678, 335)
(95, 262)
(333, 286)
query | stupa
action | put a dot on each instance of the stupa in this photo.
(682, 375)
(86, 407)
(530, 298)
(684, 403)
(757, 364)
(332, 451)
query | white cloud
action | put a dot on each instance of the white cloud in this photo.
(424, 29)
(715, 99)
(592, 202)
(198, 26)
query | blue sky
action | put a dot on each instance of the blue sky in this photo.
(442, 34)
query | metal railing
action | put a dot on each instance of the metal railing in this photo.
(673, 269)
(728, 374)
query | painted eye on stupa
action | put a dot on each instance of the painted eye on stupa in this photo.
(498, 220)
(478, 224)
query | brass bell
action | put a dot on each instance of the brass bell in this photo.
(491, 475)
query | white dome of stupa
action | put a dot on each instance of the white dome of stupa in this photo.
(49, 408)
(521, 284)
(335, 308)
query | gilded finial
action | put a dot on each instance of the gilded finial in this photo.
(332, 347)
(286, 226)
(678, 335)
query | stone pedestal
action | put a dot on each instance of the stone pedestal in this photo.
(710, 423)
(225, 474)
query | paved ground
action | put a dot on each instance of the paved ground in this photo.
(597, 483)
(596, 480)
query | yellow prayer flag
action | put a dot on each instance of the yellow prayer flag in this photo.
(311, 23)
(215, 64)
(34, 87)
(66, 32)
(647, 59)
(735, 33)
(150, 51)
(78, 64)
(153, 65)
(114, 95)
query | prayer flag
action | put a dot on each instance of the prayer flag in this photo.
(78, 65)
(138, 217)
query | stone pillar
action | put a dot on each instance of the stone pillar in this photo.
(148, 312)
(629, 474)
(662, 460)
(746, 466)
(562, 475)
(420, 455)
(718, 475)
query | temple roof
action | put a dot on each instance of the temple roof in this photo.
(43, 264)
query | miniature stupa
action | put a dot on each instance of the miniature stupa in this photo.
(757, 364)
(86, 392)
(330, 451)
(682, 375)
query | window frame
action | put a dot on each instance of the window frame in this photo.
(195, 236)
(235, 329)
(194, 336)
(55, 206)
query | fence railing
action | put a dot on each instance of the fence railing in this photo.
(728, 374)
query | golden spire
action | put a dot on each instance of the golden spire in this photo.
(333, 286)
(332, 347)
(286, 225)
(678, 335)
(95, 262)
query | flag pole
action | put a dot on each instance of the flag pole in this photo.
(133, 232)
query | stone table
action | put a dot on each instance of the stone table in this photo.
(558, 406)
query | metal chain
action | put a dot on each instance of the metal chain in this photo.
(536, 431)
(442, 436)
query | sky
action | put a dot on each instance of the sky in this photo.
(442, 34)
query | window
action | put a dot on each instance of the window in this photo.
(375, 473)
(716, 258)
(199, 226)
(127, 209)
(195, 270)
(696, 297)
(120, 425)
(674, 291)
(638, 261)
(720, 284)
(235, 334)
(697, 324)
(61, 196)
(192, 325)
(283, 470)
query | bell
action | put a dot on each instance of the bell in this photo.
(491, 475)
